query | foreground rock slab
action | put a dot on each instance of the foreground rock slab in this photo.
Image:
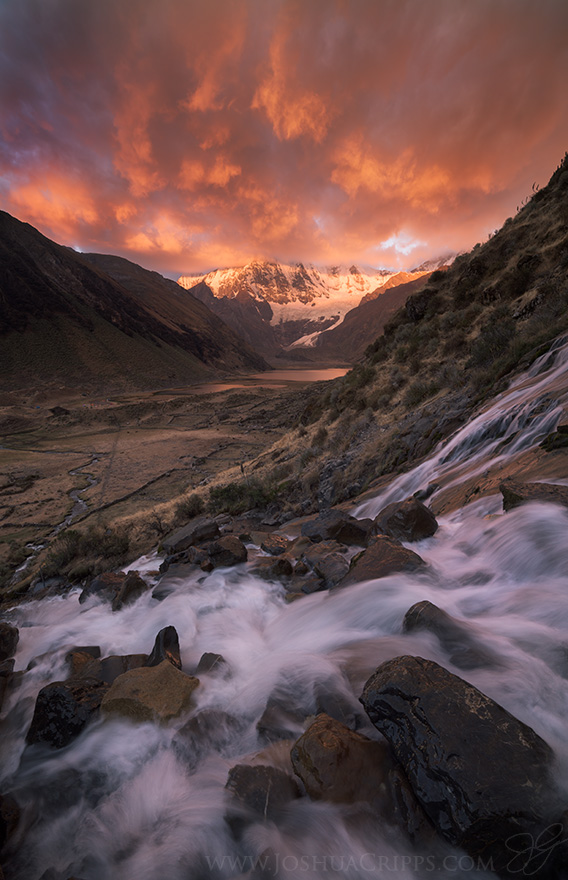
(383, 557)
(480, 774)
(151, 693)
(63, 709)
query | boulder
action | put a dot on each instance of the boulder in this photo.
(455, 637)
(9, 638)
(166, 647)
(339, 765)
(211, 730)
(82, 664)
(63, 709)
(6, 677)
(272, 569)
(514, 493)
(130, 590)
(480, 774)
(557, 440)
(107, 585)
(117, 664)
(199, 529)
(339, 526)
(275, 544)
(279, 721)
(227, 551)
(210, 662)
(151, 693)
(383, 557)
(262, 790)
(410, 520)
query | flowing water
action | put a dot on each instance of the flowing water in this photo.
(118, 802)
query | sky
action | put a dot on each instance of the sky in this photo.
(188, 135)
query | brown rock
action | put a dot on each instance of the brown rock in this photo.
(338, 526)
(107, 585)
(227, 551)
(410, 520)
(9, 638)
(514, 493)
(275, 545)
(339, 765)
(272, 569)
(200, 529)
(131, 589)
(151, 693)
(383, 557)
(261, 789)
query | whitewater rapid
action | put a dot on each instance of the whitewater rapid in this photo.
(118, 803)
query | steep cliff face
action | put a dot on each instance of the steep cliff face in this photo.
(66, 320)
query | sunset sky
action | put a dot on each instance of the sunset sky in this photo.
(193, 134)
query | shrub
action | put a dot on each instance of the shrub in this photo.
(237, 497)
(97, 542)
(189, 506)
(419, 391)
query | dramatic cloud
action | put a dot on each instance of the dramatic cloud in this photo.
(188, 135)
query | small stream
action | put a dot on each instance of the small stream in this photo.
(119, 803)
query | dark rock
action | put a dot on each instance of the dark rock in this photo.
(410, 520)
(275, 545)
(9, 638)
(200, 529)
(515, 493)
(331, 568)
(211, 663)
(63, 709)
(381, 558)
(557, 440)
(207, 565)
(424, 494)
(339, 526)
(310, 584)
(10, 814)
(166, 647)
(332, 702)
(338, 765)
(292, 596)
(93, 651)
(279, 722)
(272, 569)
(261, 789)
(6, 678)
(227, 551)
(209, 731)
(301, 567)
(131, 589)
(118, 664)
(83, 665)
(455, 637)
(196, 555)
(150, 693)
(480, 774)
(107, 585)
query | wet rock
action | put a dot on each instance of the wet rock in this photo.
(410, 520)
(275, 544)
(331, 568)
(211, 730)
(272, 569)
(200, 529)
(338, 526)
(279, 722)
(227, 551)
(310, 584)
(338, 765)
(151, 693)
(293, 596)
(211, 663)
(424, 494)
(166, 647)
(262, 790)
(383, 557)
(118, 664)
(83, 665)
(480, 774)
(9, 638)
(514, 493)
(330, 701)
(557, 440)
(6, 677)
(130, 590)
(454, 636)
(63, 709)
(107, 585)
(10, 815)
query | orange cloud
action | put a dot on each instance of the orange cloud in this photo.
(325, 131)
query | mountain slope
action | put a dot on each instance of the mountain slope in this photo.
(64, 321)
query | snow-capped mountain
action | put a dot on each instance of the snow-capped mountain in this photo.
(294, 300)
(277, 306)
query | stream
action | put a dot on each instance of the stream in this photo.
(119, 804)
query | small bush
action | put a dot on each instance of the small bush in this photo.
(237, 497)
(419, 391)
(96, 543)
(190, 506)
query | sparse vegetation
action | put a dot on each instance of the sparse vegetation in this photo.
(189, 506)
(78, 554)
